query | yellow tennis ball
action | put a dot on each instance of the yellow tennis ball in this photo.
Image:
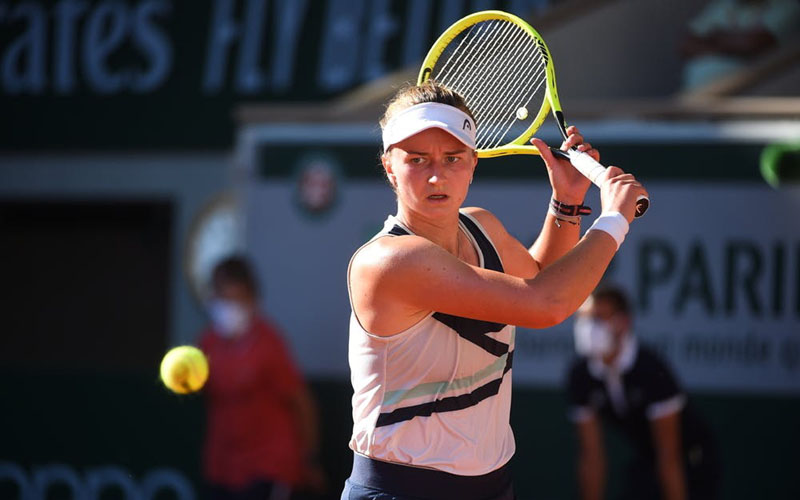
(184, 369)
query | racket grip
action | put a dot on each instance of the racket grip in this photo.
(586, 165)
(592, 169)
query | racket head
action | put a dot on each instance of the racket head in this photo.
(502, 68)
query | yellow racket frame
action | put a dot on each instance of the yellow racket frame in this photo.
(520, 144)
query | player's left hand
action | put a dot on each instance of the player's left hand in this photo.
(569, 185)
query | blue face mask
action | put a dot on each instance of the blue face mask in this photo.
(593, 337)
(230, 319)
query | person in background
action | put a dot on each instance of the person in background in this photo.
(728, 34)
(261, 437)
(620, 382)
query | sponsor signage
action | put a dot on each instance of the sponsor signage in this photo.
(713, 268)
(163, 73)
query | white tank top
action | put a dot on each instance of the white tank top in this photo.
(438, 394)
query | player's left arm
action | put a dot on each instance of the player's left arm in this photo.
(666, 433)
(555, 240)
(569, 187)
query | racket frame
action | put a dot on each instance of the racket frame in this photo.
(520, 144)
(582, 161)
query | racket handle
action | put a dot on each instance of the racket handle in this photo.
(586, 165)
(592, 169)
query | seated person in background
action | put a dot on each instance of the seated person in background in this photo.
(620, 382)
(261, 430)
(728, 34)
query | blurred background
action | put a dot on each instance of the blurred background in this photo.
(143, 140)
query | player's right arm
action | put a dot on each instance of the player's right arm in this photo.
(591, 459)
(396, 281)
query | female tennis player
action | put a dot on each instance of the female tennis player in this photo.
(435, 296)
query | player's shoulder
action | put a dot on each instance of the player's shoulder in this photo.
(387, 255)
(481, 215)
(490, 222)
(387, 249)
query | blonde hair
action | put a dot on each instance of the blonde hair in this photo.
(430, 91)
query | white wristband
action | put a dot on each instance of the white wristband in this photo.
(614, 223)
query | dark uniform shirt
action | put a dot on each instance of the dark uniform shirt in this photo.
(638, 389)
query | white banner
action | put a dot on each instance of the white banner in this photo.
(713, 270)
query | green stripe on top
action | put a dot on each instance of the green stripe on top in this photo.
(429, 388)
(709, 162)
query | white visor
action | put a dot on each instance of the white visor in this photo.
(427, 115)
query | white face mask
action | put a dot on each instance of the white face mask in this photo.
(230, 318)
(593, 337)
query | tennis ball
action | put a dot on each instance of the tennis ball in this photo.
(184, 369)
(522, 113)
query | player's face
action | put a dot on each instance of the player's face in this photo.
(430, 171)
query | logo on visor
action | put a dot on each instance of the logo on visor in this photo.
(466, 126)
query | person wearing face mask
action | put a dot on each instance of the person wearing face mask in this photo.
(620, 382)
(261, 435)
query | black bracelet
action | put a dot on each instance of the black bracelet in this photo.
(569, 210)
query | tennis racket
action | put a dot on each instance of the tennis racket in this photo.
(502, 68)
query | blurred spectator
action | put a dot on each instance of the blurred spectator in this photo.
(261, 437)
(728, 34)
(619, 382)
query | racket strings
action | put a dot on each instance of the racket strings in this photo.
(474, 53)
(472, 39)
(498, 69)
(479, 52)
(505, 100)
(506, 92)
(479, 89)
(536, 79)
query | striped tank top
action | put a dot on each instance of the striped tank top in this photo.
(438, 394)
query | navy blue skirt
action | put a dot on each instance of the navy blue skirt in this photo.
(376, 480)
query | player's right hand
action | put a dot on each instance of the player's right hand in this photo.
(620, 191)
